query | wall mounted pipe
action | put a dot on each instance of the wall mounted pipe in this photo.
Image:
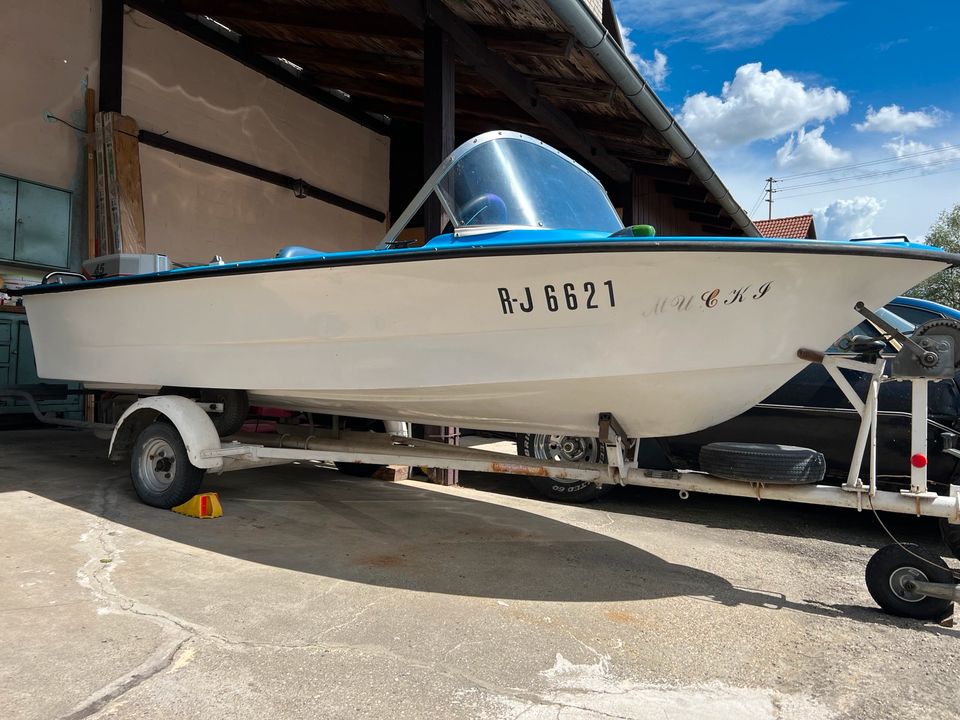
(596, 39)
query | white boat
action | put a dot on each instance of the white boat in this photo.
(536, 312)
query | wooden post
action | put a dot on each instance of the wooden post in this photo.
(438, 140)
(91, 101)
(111, 55)
(91, 175)
(438, 114)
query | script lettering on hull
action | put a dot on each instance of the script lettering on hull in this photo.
(710, 299)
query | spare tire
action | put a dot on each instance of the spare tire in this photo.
(770, 464)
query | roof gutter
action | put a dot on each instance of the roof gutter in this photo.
(598, 41)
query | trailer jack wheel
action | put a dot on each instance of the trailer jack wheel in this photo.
(160, 468)
(892, 575)
(950, 532)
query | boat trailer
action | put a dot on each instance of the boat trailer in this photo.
(171, 442)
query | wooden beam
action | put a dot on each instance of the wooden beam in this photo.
(624, 128)
(162, 12)
(526, 41)
(637, 151)
(517, 41)
(686, 192)
(673, 173)
(297, 185)
(333, 57)
(722, 231)
(438, 114)
(511, 82)
(707, 208)
(726, 222)
(402, 93)
(438, 141)
(587, 92)
(111, 55)
(342, 22)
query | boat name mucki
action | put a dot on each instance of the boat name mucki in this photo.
(559, 297)
(709, 299)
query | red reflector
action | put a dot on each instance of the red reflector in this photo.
(918, 460)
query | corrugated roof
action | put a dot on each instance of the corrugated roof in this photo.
(795, 226)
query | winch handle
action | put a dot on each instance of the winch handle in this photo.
(814, 356)
(927, 358)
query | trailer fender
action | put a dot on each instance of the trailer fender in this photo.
(191, 421)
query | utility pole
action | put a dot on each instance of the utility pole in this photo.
(770, 191)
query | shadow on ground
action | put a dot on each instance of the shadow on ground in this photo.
(311, 519)
(839, 525)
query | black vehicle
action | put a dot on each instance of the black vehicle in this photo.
(808, 411)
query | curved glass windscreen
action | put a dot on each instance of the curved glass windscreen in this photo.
(508, 181)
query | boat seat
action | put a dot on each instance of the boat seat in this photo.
(294, 251)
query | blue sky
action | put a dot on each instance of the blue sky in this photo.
(808, 88)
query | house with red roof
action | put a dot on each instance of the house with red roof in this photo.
(795, 226)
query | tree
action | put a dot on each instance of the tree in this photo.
(944, 287)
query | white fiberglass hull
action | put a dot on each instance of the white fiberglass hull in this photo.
(670, 341)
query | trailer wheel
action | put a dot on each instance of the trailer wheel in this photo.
(361, 470)
(950, 532)
(161, 471)
(236, 406)
(891, 566)
(568, 448)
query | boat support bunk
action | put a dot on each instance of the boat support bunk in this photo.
(169, 436)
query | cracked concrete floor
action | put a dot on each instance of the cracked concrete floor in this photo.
(319, 596)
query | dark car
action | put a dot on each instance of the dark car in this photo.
(917, 311)
(808, 411)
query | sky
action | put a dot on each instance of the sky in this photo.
(852, 105)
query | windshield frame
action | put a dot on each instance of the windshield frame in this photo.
(432, 185)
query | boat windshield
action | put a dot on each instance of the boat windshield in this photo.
(510, 180)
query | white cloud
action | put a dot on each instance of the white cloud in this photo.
(654, 71)
(884, 46)
(893, 119)
(809, 151)
(910, 151)
(722, 25)
(757, 105)
(844, 219)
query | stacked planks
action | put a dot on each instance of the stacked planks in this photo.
(119, 195)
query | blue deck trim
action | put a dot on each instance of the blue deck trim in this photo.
(517, 242)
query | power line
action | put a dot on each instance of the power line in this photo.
(878, 182)
(877, 173)
(866, 163)
(759, 200)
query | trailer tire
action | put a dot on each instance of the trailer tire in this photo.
(950, 532)
(770, 464)
(358, 469)
(552, 447)
(160, 468)
(891, 565)
(361, 470)
(236, 406)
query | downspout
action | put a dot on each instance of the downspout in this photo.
(597, 40)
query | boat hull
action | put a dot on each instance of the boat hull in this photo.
(670, 341)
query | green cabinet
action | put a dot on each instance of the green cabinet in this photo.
(34, 223)
(18, 368)
(8, 215)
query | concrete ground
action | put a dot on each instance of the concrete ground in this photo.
(321, 596)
